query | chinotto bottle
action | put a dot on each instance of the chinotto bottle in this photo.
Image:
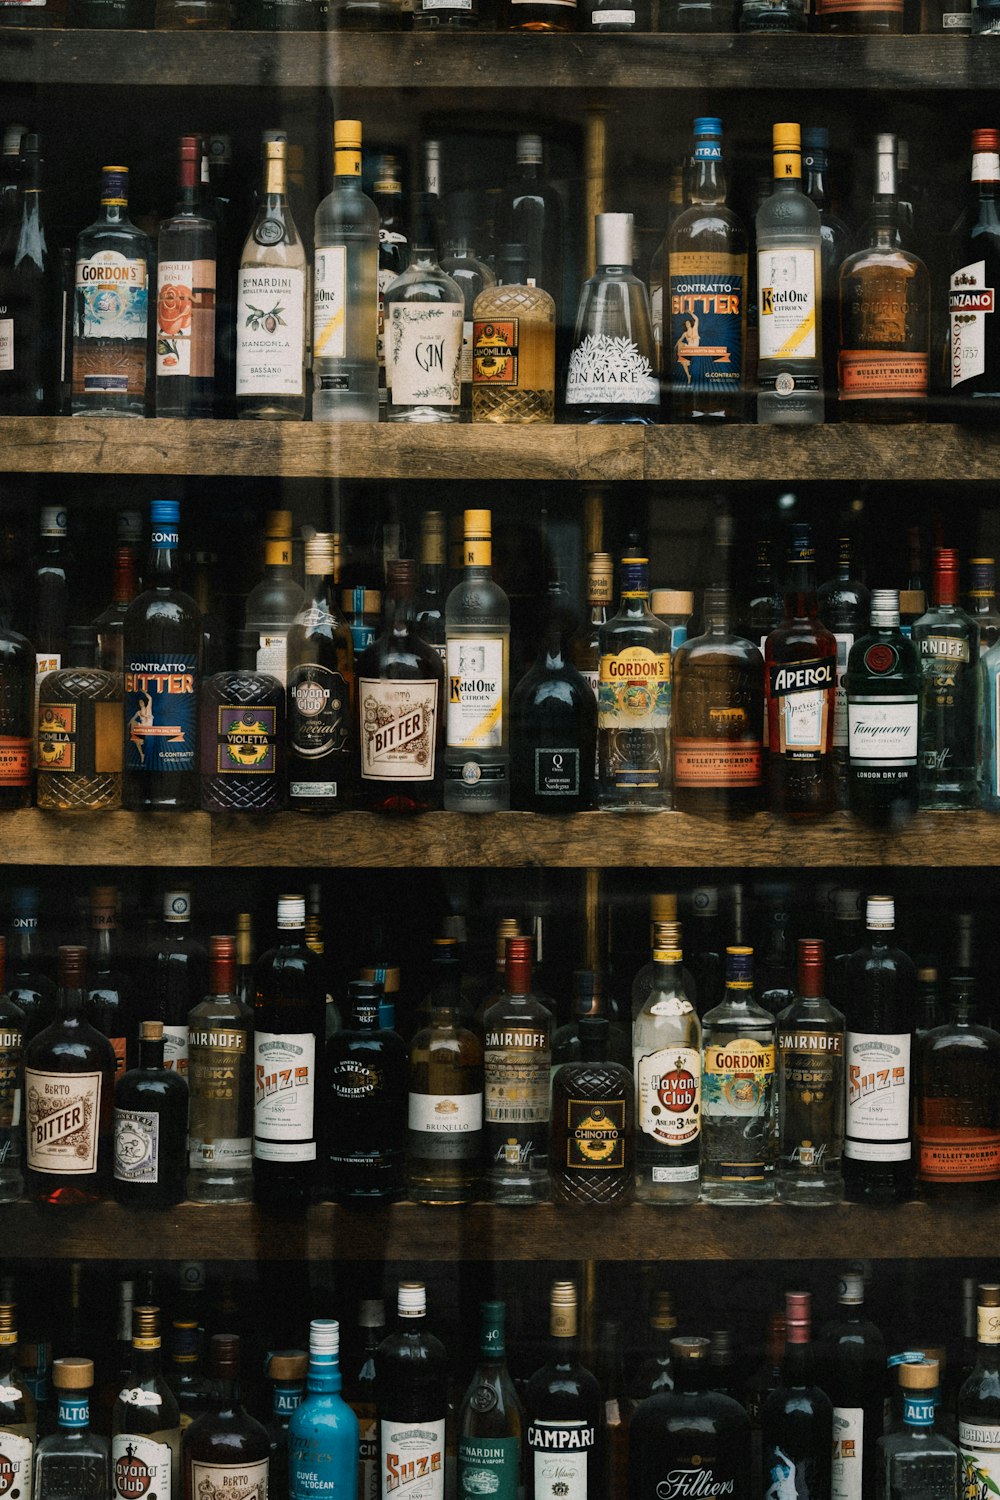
(411, 1394)
(633, 702)
(477, 750)
(612, 366)
(810, 1089)
(883, 693)
(564, 1406)
(323, 1432)
(691, 1440)
(145, 1423)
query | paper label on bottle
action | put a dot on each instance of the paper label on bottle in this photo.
(15, 761)
(270, 331)
(475, 692)
(883, 731)
(559, 1458)
(495, 352)
(802, 693)
(738, 1079)
(63, 1113)
(175, 1048)
(140, 1468)
(272, 655)
(185, 318)
(812, 1088)
(385, 279)
(668, 1088)
(284, 1096)
(246, 739)
(423, 361)
(873, 374)
(319, 717)
(988, 1325)
(788, 280)
(717, 762)
(412, 1459)
(946, 1157)
(634, 689)
(488, 1466)
(595, 1135)
(248, 1481)
(517, 1071)
(606, 370)
(112, 296)
(15, 1463)
(6, 343)
(11, 1057)
(56, 740)
(137, 1145)
(330, 302)
(979, 1445)
(878, 1093)
(445, 1114)
(398, 728)
(970, 303)
(844, 644)
(848, 1453)
(707, 320)
(161, 708)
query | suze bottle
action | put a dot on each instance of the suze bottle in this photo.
(323, 1432)
(691, 1440)
(145, 1423)
(564, 1409)
(411, 1395)
(789, 281)
(477, 625)
(185, 298)
(853, 1374)
(345, 290)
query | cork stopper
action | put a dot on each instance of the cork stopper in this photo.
(72, 965)
(288, 1364)
(72, 1373)
(919, 1375)
(672, 602)
(151, 1031)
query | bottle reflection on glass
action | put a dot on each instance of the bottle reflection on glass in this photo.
(612, 364)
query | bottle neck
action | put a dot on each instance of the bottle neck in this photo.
(920, 1409)
(146, 1360)
(324, 1374)
(286, 1398)
(163, 566)
(73, 1413)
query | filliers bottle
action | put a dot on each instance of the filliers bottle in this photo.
(691, 1440)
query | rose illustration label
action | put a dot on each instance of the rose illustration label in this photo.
(185, 318)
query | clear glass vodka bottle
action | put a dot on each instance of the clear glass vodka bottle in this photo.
(345, 290)
(789, 280)
(738, 1094)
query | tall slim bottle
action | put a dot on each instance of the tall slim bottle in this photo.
(411, 1394)
(361, 1396)
(445, 1099)
(30, 317)
(271, 321)
(974, 258)
(633, 698)
(345, 290)
(797, 1417)
(477, 624)
(853, 1374)
(789, 281)
(666, 1052)
(738, 1094)
(220, 1079)
(810, 1089)
(12, 1040)
(273, 603)
(979, 1401)
(321, 690)
(323, 1432)
(111, 309)
(146, 1422)
(947, 640)
(517, 1067)
(564, 1408)
(185, 298)
(491, 1420)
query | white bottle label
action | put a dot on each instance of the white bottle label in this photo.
(970, 303)
(233, 1155)
(878, 1096)
(848, 1451)
(137, 1145)
(223, 1481)
(882, 731)
(272, 655)
(175, 1048)
(423, 357)
(185, 318)
(270, 331)
(15, 1464)
(979, 1444)
(139, 1466)
(398, 729)
(412, 1459)
(787, 303)
(284, 1070)
(559, 1452)
(475, 692)
(467, 340)
(668, 1088)
(446, 1114)
(114, 295)
(805, 720)
(330, 302)
(606, 370)
(64, 1111)
(844, 644)
(6, 343)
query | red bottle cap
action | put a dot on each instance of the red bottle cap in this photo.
(811, 966)
(221, 964)
(520, 952)
(945, 575)
(72, 966)
(985, 140)
(798, 1316)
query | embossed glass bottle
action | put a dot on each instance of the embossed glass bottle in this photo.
(78, 748)
(72, 1463)
(491, 1420)
(919, 1459)
(666, 1053)
(242, 761)
(513, 346)
(591, 1153)
(690, 1438)
(612, 364)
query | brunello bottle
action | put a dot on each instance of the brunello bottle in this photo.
(692, 1440)
(810, 1089)
(445, 1097)
(564, 1407)
(517, 1074)
(411, 1394)
(145, 1423)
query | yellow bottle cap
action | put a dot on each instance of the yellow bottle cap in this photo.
(477, 523)
(787, 136)
(347, 135)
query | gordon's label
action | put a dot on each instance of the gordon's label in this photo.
(516, 1072)
(668, 1089)
(330, 302)
(398, 728)
(707, 320)
(559, 1459)
(112, 297)
(246, 738)
(787, 301)
(605, 370)
(494, 352)
(16, 1455)
(284, 1096)
(718, 762)
(488, 1466)
(140, 1468)
(883, 731)
(595, 1135)
(634, 689)
(878, 1096)
(270, 331)
(224, 1481)
(137, 1145)
(63, 1116)
(161, 708)
(185, 318)
(970, 303)
(475, 692)
(412, 1459)
(423, 363)
(218, 1081)
(739, 1077)
(877, 374)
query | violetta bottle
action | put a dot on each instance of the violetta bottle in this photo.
(411, 1394)
(323, 1432)
(185, 298)
(111, 309)
(564, 1409)
(612, 365)
(241, 758)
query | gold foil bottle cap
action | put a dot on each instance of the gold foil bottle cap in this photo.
(477, 523)
(562, 1309)
(278, 523)
(319, 554)
(666, 934)
(432, 537)
(663, 906)
(922, 1375)
(288, 1364)
(347, 135)
(912, 601)
(151, 1031)
(663, 1315)
(72, 1374)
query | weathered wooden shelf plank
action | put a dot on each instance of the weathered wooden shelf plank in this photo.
(156, 840)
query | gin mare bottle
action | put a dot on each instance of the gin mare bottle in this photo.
(738, 1069)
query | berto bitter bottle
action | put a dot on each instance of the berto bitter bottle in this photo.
(477, 626)
(789, 281)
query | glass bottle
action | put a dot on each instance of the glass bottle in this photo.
(531, 213)
(947, 640)
(162, 643)
(28, 985)
(17, 719)
(30, 297)
(345, 286)
(563, 1406)
(538, 15)
(918, 1459)
(584, 648)
(146, 1422)
(393, 247)
(707, 269)
(150, 1128)
(321, 690)
(797, 1417)
(185, 299)
(957, 1104)
(73, 1460)
(516, 1062)
(491, 1419)
(110, 622)
(424, 318)
(51, 590)
(225, 1438)
(835, 242)
(633, 704)
(18, 1413)
(553, 721)
(69, 1073)
(220, 1076)
(764, 1379)
(242, 752)
(844, 607)
(271, 305)
(974, 262)
(612, 363)
(882, 689)
(789, 282)
(364, 1109)
(853, 17)
(461, 261)
(178, 975)
(513, 346)
(477, 628)
(593, 1107)
(666, 1053)
(78, 748)
(429, 15)
(691, 1434)
(411, 1395)
(273, 603)
(811, 1089)
(738, 1092)
(853, 1374)
(286, 1370)
(361, 1396)
(445, 1097)
(983, 601)
(111, 309)
(323, 1432)
(979, 1400)
(12, 1041)
(696, 15)
(431, 599)
(589, 1000)
(656, 1371)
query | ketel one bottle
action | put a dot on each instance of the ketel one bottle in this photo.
(145, 1423)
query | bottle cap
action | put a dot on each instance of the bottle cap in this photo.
(324, 1336)
(672, 602)
(989, 1294)
(705, 901)
(613, 239)
(846, 903)
(224, 1355)
(432, 534)
(786, 136)
(320, 551)
(72, 1374)
(800, 543)
(982, 140)
(529, 149)
(291, 911)
(815, 140)
(666, 934)
(164, 512)
(221, 946)
(707, 125)
(476, 525)
(177, 906)
(103, 900)
(53, 521)
(662, 1315)
(12, 139)
(347, 135)
(563, 1309)
(880, 913)
(278, 525)
(927, 976)
(151, 1031)
(72, 965)
(371, 1313)
(919, 1375)
(361, 601)
(288, 1364)
(912, 601)
(852, 1287)
(739, 968)
(983, 577)
(885, 607)
(663, 907)
(798, 1315)
(688, 1347)
(411, 1299)
(600, 578)
(146, 1323)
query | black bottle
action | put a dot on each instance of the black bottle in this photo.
(692, 1433)
(29, 302)
(411, 1390)
(27, 983)
(365, 1107)
(797, 1418)
(151, 1115)
(553, 724)
(564, 1405)
(853, 1374)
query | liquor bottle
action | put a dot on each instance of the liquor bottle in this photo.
(531, 213)
(633, 705)
(797, 1418)
(220, 1077)
(424, 316)
(707, 267)
(513, 345)
(225, 1439)
(846, 928)
(361, 1396)
(110, 622)
(738, 1093)
(919, 1459)
(696, 16)
(345, 286)
(162, 644)
(884, 315)
(445, 1096)
(790, 291)
(178, 972)
(593, 1107)
(957, 1104)
(538, 15)
(584, 648)
(516, 1070)
(29, 301)
(800, 658)
(856, 18)
(271, 305)
(79, 731)
(393, 248)
(431, 599)
(289, 1031)
(364, 1108)
(880, 995)
(17, 719)
(111, 309)
(185, 299)
(146, 1423)
(28, 985)
(150, 1128)
(553, 721)
(12, 1041)
(461, 261)
(810, 1089)
(273, 603)
(978, 1428)
(321, 690)
(51, 591)
(612, 363)
(691, 1435)
(717, 716)
(844, 607)
(286, 1370)
(401, 707)
(974, 259)
(656, 1371)
(882, 689)
(242, 751)
(73, 1460)
(765, 1379)
(853, 1374)
(323, 1432)
(835, 242)
(69, 1073)
(983, 602)
(564, 1410)
(411, 1395)
(18, 1413)
(491, 1419)
(947, 640)
(477, 626)
(666, 1053)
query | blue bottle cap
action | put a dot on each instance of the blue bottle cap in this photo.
(164, 512)
(739, 968)
(707, 125)
(24, 900)
(815, 138)
(800, 545)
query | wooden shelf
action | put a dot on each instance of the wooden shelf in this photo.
(406, 1232)
(666, 840)
(928, 452)
(501, 62)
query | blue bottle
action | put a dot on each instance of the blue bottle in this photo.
(323, 1432)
